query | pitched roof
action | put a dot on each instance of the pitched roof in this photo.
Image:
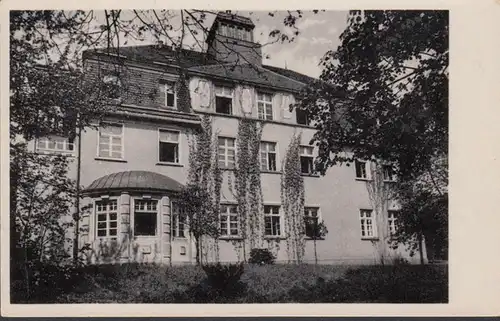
(291, 74)
(250, 74)
(134, 180)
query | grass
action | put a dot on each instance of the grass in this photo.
(280, 283)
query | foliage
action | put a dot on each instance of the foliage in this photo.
(386, 85)
(224, 279)
(315, 230)
(292, 199)
(149, 283)
(261, 256)
(196, 206)
(247, 182)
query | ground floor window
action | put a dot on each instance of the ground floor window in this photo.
(311, 217)
(107, 218)
(145, 217)
(229, 225)
(368, 226)
(178, 222)
(391, 220)
(272, 220)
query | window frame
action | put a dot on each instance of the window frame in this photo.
(265, 103)
(107, 80)
(174, 224)
(364, 224)
(366, 171)
(157, 213)
(275, 152)
(318, 217)
(392, 177)
(108, 221)
(228, 221)
(391, 222)
(178, 146)
(279, 215)
(226, 154)
(165, 86)
(301, 154)
(110, 145)
(223, 87)
(47, 139)
(308, 121)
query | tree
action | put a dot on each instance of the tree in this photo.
(383, 96)
(196, 207)
(315, 230)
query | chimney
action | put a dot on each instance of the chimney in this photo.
(231, 40)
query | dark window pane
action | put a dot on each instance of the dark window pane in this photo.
(360, 169)
(170, 100)
(169, 152)
(302, 117)
(145, 224)
(223, 105)
(306, 164)
(272, 161)
(101, 232)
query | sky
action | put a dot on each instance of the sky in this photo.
(318, 33)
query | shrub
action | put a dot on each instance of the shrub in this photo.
(224, 279)
(261, 256)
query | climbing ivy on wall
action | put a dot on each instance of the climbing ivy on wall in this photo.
(246, 187)
(292, 200)
(204, 171)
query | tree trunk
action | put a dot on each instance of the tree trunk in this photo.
(315, 253)
(421, 248)
(77, 201)
(197, 245)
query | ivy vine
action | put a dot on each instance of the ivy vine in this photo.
(204, 171)
(292, 200)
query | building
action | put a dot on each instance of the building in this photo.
(134, 162)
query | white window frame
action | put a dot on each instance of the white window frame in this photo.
(108, 220)
(110, 145)
(223, 94)
(302, 154)
(365, 222)
(366, 171)
(226, 154)
(135, 200)
(263, 115)
(271, 215)
(174, 228)
(52, 139)
(392, 217)
(267, 152)
(227, 220)
(170, 87)
(178, 142)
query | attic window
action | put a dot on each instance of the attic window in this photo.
(238, 32)
(223, 100)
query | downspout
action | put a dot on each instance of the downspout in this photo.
(78, 178)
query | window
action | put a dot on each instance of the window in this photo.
(265, 106)
(368, 227)
(223, 100)
(391, 220)
(112, 85)
(111, 140)
(169, 89)
(227, 152)
(178, 221)
(107, 218)
(311, 218)
(302, 117)
(388, 173)
(145, 217)
(272, 220)
(55, 144)
(229, 225)
(268, 156)
(168, 146)
(360, 169)
(306, 160)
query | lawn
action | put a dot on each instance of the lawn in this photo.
(280, 283)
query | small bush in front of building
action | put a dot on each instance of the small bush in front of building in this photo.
(223, 280)
(261, 256)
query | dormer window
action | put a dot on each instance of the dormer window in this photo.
(168, 91)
